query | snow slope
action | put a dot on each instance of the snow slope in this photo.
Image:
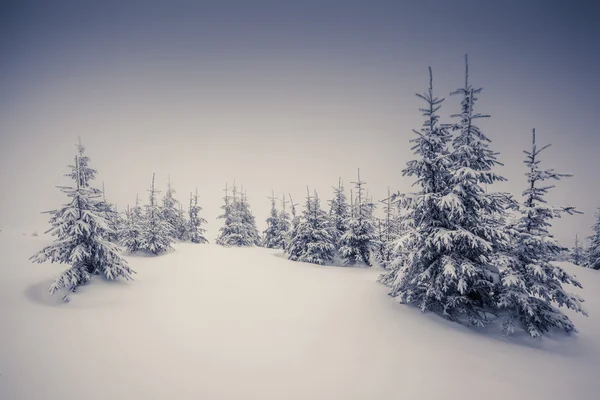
(206, 322)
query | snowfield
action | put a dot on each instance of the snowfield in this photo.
(206, 322)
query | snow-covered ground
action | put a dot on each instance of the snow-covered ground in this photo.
(206, 322)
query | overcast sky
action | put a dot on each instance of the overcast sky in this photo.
(280, 95)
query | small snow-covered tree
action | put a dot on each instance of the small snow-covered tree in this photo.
(357, 240)
(283, 225)
(227, 216)
(172, 213)
(310, 238)
(248, 221)
(593, 250)
(294, 222)
(338, 212)
(577, 253)
(194, 231)
(531, 286)
(387, 232)
(82, 230)
(156, 236)
(113, 217)
(271, 234)
(130, 233)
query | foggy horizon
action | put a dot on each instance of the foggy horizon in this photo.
(284, 96)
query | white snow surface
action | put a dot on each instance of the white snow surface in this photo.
(206, 322)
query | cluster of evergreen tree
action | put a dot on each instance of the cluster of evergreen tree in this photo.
(348, 233)
(239, 228)
(278, 225)
(456, 253)
(155, 228)
(310, 239)
(89, 229)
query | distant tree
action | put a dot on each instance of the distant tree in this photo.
(357, 240)
(81, 230)
(593, 250)
(130, 233)
(339, 212)
(577, 253)
(228, 216)
(194, 231)
(310, 238)
(387, 232)
(157, 233)
(113, 217)
(271, 234)
(284, 225)
(294, 223)
(248, 221)
(173, 214)
(531, 286)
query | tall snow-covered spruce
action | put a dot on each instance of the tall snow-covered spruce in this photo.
(531, 286)
(195, 231)
(310, 238)
(418, 260)
(357, 240)
(593, 250)
(82, 232)
(456, 228)
(156, 234)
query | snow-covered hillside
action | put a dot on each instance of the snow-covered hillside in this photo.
(206, 322)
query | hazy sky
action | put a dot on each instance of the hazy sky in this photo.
(285, 94)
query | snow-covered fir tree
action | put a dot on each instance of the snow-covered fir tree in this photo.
(338, 212)
(531, 286)
(357, 240)
(455, 228)
(283, 224)
(130, 233)
(227, 216)
(195, 231)
(577, 252)
(271, 234)
(593, 250)
(294, 222)
(310, 238)
(247, 219)
(172, 213)
(81, 231)
(387, 233)
(156, 236)
(112, 216)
